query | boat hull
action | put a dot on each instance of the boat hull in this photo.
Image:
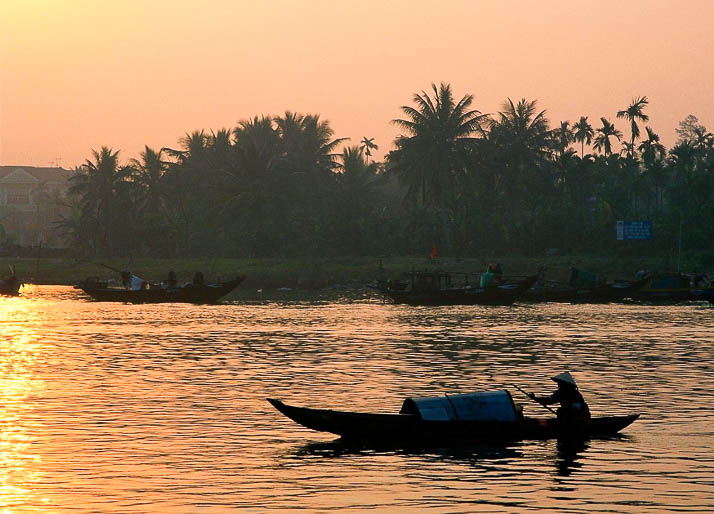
(411, 428)
(505, 294)
(189, 294)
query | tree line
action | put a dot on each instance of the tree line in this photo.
(468, 182)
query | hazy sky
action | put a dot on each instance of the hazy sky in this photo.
(76, 74)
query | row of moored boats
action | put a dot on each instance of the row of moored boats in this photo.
(430, 287)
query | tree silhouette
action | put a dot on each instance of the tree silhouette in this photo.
(583, 133)
(604, 133)
(431, 154)
(633, 113)
(367, 145)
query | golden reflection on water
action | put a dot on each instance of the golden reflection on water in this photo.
(19, 351)
(145, 408)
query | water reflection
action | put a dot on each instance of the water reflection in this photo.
(162, 407)
(462, 452)
(20, 350)
(570, 452)
(568, 458)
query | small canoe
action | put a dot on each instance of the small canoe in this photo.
(413, 428)
(191, 293)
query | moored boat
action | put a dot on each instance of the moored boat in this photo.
(439, 288)
(189, 293)
(675, 288)
(473, 417)
(10, 286)
(584, 287)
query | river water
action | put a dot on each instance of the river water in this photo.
(113, 407)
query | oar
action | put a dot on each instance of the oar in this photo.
(109, 267)
(529, 396)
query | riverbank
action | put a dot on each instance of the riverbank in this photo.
(318, 273)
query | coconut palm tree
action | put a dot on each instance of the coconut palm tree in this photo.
(97, 186)
(523, 130)
(633, 113)
(604, 133)
(367, 145)
(583, 133)
(432, 152)
(149, 173)
(309, 143)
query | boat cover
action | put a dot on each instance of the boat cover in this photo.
(480, 406)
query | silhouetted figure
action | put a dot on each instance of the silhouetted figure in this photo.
(540, 277)
(573, 408)
(171, 281)
(198, 279)
(126, 279)
(488, 277)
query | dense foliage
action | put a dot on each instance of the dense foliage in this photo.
(467, 182)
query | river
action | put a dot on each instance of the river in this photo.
(113, 407)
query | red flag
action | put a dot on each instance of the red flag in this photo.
(433, 252)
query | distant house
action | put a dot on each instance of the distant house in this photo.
(31, 201)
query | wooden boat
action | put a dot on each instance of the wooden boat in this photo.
(419, 421)
(437, 288)
(609, 292)
(10, 286)
(584, 287)
(675, 288)
(190, 293)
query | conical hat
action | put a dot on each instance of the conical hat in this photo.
(565, 377)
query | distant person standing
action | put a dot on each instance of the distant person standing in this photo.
(498, 272)
(171, 280)
(198, 278)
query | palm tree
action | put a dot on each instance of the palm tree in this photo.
(253, 189)
(523, 139)
(651, 149)
(432, 152)
(523, 130)
(633, 113)
(149, 174)
(193, 146)
(354, 198)
(583, 133)
(563, 136)
(97, 184)
(367, 145)
(604, 133)
(308, 141)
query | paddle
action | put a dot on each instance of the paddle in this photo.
(109, 267)
(529, 396)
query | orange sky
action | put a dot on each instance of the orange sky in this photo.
(76, 74)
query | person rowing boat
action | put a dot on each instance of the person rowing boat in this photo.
(573, 407)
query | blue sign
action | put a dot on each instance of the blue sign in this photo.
(629, 230)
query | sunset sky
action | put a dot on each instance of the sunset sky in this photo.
(76, 75)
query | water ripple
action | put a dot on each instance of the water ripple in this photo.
(145, 408)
